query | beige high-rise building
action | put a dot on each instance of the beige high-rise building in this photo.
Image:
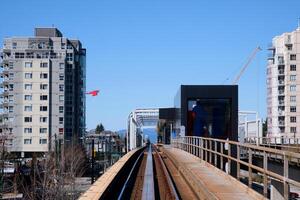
(283, 85)
(42, 91)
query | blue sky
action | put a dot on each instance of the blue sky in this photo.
(140, 51)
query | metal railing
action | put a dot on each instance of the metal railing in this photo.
(219, 152)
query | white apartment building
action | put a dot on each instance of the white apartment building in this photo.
(283, 85)
(42, 91)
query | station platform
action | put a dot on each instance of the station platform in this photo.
(207, 181)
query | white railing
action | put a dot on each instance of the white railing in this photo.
(222, 153)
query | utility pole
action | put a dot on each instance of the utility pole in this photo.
(93, 161)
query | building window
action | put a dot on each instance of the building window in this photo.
(43, 119)
(293, 78)
(293, 98)
(28, 75)
(28, 65)
(43, 130)
(43, 141)
(27, 141)
(11, 87)
(27, 130)
(290, 47)
(28, 97)
(11, 65)
(28, 108)
(61, 130)
(43, 75)
(61, 109)
(293, 109)
(27, 119)
(61, 65)
(28, 86)
(293, 88)
(69, 57)
(61, 77)
(61, 120)
(61, 88)
(14, 45)
(293, 119)
(61, 98)
(43, 86)
(11, 98)
(44, 65)
(43, 108)
(293, 67)
(10, 109)
(293, 129)
(43, 97)
(293, 57)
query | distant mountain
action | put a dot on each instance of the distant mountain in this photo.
(122, 133)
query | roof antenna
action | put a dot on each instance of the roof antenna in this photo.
(298, 24)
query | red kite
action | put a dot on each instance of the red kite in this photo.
(93, 93)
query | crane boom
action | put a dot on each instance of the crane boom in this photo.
(246, 65)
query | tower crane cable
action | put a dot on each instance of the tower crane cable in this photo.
(246, 65)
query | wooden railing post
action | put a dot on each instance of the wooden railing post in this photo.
(286, 176)
(215, 154)
(210, 153)
(222, 158)
(265, 178)
(238, 163)
(229, 159)
(250, 168)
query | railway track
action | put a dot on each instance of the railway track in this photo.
(148, 177)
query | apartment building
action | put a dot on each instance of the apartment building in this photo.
(283, 85)
(42, 91)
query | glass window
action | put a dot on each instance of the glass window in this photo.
(293, 98)
(43, 86)
(293, 88)
(43, 141)
(293, 119)
(27, 141)
(61, 77)
(28, 97)
(27, 130)
(61, 120)
(44, 65)
(293, 57)
(61, 98)
(43, 130)
(61, 65)
(43, 108)
(28, 108)
(28, 75)
(61, 88)
(61, 109)
(43, 119)
(293, 78)
(28, 86)
(27, 119)
(43, 97)
(293, 129)
(28, 65)
(293, 109)
(43, 75)
(292, 67)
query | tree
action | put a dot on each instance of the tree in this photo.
(265, 127)
(99, 128)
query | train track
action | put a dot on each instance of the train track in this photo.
(150, 176)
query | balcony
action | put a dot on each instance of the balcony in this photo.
(281, 123)
(281, 112)
(271, 47)
(280, 82)
(281, 92)
(281, 71)
(281, 102)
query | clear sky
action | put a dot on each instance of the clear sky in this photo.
(140, 51)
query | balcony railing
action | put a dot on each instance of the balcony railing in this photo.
(280, 82)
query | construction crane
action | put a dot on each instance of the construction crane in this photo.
(246, 65)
